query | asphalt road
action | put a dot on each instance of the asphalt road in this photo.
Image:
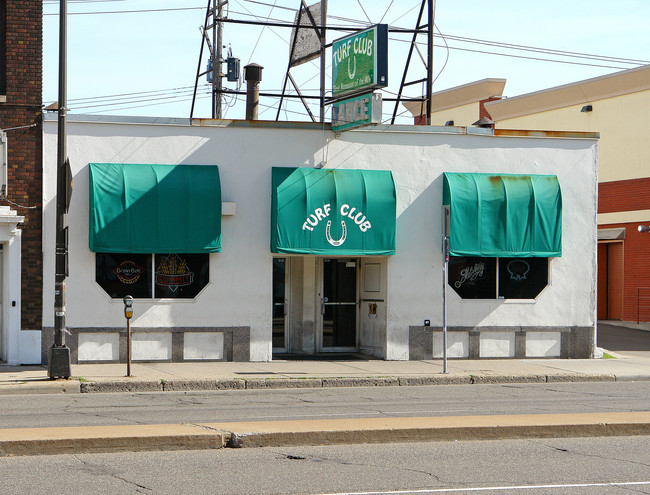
(626, 341)
(614, 466)
(30, 411)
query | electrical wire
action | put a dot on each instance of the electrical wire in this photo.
(364, 11)
(387, 9)
(20, 206)
(261, 33)
(271, 5)
(131, 11)
(163, 96)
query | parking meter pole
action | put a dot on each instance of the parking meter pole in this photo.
(128, 314)
(128, 347)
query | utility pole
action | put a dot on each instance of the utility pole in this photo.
(59, 358)
(217, 54)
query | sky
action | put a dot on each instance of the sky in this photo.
(140, 57)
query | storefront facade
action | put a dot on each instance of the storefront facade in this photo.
(247, 242)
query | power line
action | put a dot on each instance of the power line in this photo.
(529, 58)
(132, 11)
(543, 50)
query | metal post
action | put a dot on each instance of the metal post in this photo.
(430, 26)
(59, 358)
(213, 55)
(323, 21)
(216, 74)
(128, 314)
(445, 266)
(128, 347)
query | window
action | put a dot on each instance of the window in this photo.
(143, 276)
(505, 278)
(522, 278)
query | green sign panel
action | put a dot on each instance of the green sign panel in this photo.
(360, 61)
(356, 112)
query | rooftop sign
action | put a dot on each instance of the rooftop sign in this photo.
(356, 112)
(360, 61)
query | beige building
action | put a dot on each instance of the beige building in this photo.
(615, 106)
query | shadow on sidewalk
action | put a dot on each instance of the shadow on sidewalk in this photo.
(618, 338)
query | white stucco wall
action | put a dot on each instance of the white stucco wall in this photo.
(240, 289)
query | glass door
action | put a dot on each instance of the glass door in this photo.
(279, 305)
(339, 305)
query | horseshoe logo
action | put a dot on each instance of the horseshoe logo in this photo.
(351, 74)
(328, 236)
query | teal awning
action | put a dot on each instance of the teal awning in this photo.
(154, 208)
(333, 212)
(503, 215)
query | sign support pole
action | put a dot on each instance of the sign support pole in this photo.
(445, 266)
(323, 21)
(430, 31)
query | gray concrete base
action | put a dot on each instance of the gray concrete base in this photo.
(575, 342)
(236, 342)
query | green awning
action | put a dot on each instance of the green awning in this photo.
(503, 215)
(333, 212)
(154, 208)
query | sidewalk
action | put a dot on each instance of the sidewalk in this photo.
(161, 377)
(164, 377)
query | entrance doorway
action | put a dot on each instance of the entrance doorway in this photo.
(339, 297)
(610, 280)
(280, 303)
(2, 333)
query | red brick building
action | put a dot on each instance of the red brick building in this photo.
(21, 81)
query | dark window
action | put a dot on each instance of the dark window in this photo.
(181, 276)
(178, 276)
(124, 274)
(516, 278)
(522, 278)
(473, 278)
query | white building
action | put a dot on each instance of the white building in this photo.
(348, 275)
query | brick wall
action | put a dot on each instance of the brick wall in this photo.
(624, 195)
(636, 273)
(481, 107)
(24, 82)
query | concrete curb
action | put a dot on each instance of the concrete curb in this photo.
(40, 387)
(284, 383)
(123, 438)
(131, 385)
(439, 428)
(133, 438)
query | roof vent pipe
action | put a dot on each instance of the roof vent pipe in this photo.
(484, 122)
(253, 76)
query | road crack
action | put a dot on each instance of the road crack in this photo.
(99, 470)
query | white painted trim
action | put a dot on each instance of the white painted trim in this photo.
(624, 217)
(10, 237)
